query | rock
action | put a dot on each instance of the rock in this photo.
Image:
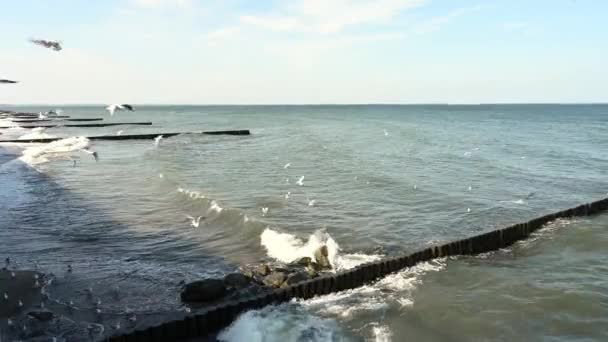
(303, 261)
(41, 315)
(236, 280)
(262, 270)
(321, 257)
(203, 291)
(296, 278)
(314, 267)
(275, 279)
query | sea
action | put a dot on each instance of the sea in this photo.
(368, 181)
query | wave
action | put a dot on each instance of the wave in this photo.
(317, 316)
(37, 133)
(287, 248)
(281, 323)
(60, 149)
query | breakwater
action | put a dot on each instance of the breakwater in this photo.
(217, 317)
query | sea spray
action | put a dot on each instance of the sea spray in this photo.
(287, 248)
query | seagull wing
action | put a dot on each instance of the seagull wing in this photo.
(111, 109)
(127, 106)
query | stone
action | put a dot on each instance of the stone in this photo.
(296, 278)
(321, 257)
(41, 315)
(275, 279)
(203, 291)
(303, 261)
(262, 270)
(236, 280)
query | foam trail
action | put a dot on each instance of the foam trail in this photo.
(287, 248)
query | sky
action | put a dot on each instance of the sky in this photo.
(305, 51)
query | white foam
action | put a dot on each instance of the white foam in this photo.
(280, 323)
(190, 193)
(215, 207)
(382, 333)
(37, 133)
(287, 248)
(60, 149)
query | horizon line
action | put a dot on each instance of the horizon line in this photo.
(316, 104)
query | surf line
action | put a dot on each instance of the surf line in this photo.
(219, 316)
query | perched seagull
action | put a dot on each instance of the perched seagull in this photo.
(2, 80)
(93, 153)
(195, 221)
(300, 181)
(51, 44)
(157, 140)
(114, 107)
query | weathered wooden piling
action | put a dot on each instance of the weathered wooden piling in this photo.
(130, 136)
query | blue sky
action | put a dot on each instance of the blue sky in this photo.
(305, 51)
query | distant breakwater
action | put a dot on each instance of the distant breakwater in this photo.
(214, 318)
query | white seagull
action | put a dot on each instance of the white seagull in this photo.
(93, 153)
(287, 165)
(195, 221)
(157, 140)
(300, 181)
(114, 107)
(264, 211)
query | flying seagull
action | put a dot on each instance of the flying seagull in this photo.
(50, 44)
(114, 107)
(2, 80)
(93, 153)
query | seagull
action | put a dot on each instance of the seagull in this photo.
(51, 44)
(264, 211)
(5, 296)
(287, 194)
(119, 132)
(311, 203)
(2, 80)
(385, 133)
(157, 140)
(20, 304)
(93, 153)
(114, 107)
(415, 186)
(195, 222)
(287, 165)
(300, 181)
(470, 188)
(468, 210)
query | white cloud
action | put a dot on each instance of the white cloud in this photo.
(435, 24)
(161, 3)
(326, 17)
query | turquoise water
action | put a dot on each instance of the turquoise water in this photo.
(377, 179)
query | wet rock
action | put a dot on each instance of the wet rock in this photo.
(236, 280)
(313, 267)
(262, 270)
(321, 257)
(203, 291)
(275, 279)
(303, 261)
(296, 278)
(41, 315)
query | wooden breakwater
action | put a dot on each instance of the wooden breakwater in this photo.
(51, 119)
(86, 125)
(217, 317)
(131, 136)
